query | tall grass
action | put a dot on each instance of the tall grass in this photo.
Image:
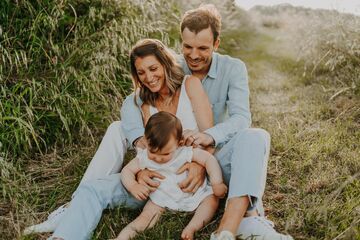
(314, 169)
(63, 74)
(64, 66)
(326, 42)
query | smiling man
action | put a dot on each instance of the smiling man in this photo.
(198, 49)
(242, 151)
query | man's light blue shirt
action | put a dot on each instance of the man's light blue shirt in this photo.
(226, 85)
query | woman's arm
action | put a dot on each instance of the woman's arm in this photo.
(128, 173)
(200, 103)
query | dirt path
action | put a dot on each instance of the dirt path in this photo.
(313, 156)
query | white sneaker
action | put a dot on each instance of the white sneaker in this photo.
(50, 224)
(223, 235)
(257, 228)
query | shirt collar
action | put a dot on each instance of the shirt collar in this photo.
(213, 67)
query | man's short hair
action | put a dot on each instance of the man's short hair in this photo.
(201, 18)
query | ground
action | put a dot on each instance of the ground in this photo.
(313, 187)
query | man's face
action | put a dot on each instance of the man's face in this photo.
(198, 49)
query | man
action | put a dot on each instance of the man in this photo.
(242, 151)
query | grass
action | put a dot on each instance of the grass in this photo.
(313, 174)
(64, 67)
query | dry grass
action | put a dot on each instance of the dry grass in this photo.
(313, 176)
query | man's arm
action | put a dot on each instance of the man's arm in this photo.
(237, 103)
(131, 118)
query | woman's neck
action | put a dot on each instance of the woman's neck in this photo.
(164, 95)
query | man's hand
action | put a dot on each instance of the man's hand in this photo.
(195, 179)
(196, 139)
(144, 177)
(140, 143)
(139, 191)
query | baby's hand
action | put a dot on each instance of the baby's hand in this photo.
(219, 190)
(139, 191)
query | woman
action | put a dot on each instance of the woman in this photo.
(161, 86)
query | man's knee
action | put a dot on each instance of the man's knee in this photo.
(254, 137)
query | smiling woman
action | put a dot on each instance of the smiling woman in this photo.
(151, 74)
(150, 64)
(161, 85)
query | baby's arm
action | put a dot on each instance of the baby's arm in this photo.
(128, 179)
(213, 169)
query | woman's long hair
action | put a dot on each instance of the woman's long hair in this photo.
(173, 72)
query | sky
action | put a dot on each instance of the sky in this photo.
(349, 6)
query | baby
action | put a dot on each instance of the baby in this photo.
(164, 154)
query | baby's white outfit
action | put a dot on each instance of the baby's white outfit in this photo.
(169, 194)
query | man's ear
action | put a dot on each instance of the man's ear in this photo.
(216, 44)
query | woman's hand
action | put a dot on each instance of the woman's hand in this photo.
(195, 179)
(219, 189)
(145, 176)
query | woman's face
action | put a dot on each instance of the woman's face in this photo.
(150, 72)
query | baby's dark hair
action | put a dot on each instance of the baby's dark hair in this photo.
(159, 128)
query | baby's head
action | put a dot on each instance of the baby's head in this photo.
(163, 133)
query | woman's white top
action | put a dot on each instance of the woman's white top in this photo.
(169, 194)
(184, 110)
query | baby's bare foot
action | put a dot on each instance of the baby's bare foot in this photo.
(188, 233)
